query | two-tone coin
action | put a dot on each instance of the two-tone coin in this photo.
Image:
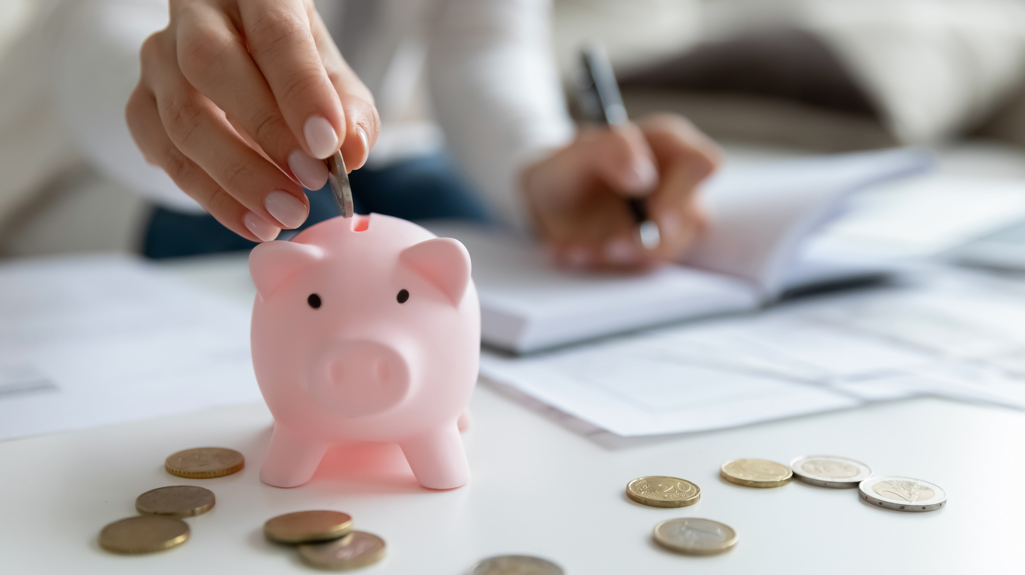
(694, 536)
(902, 494)
(358, 549)
(204, 462)
(144, 534)
(660, 491)
(176, 501)
(516, 565)
(308, 526)
(755, 473)
(830, 471)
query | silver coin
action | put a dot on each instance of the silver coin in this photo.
(830, 471)
(650, 236)
(902, 494)
(695, 536)
(339, 179)
(516, 565)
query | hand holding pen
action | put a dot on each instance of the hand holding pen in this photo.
(622, 194)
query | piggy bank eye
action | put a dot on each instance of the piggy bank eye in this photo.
(313, 300)
(403, 296)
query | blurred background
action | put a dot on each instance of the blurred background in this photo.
(765, 78)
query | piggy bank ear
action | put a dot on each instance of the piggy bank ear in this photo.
(271, 263)
(442, 261)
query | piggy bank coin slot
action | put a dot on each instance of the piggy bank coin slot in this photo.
(403, 296)
(360, 223)
(314, 301)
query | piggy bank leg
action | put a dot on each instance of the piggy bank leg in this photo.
(437, 458)
(291, 460)
(464, 420)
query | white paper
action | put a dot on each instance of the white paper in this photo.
(88, 341)
(963, 341)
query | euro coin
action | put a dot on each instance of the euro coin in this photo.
(204, 462)
(175, 501)
(352, 552)
(308, 526)
(516, 565)
(144, 534)
(755, 473)
(658, 491)
(902, 494)
(830, 471)
(693, 536)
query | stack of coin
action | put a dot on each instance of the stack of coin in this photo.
(159, 526)
(326, 539)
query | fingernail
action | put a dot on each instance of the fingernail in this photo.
(621, 251)
(366, 144)
(320, 136)
(312, 173)
(642, 177)
(669, 224)
(260, 227)
(286, 209)
(578, 258)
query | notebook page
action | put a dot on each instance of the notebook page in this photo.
(527, 304)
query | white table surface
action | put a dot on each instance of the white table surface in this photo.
(537, 488)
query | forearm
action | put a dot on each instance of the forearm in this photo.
(95, 69)
(497, 94)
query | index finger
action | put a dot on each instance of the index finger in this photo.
(281, 42)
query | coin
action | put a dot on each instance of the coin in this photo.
(356, 550)
(755, 473)
(308, 526)
(204, 462)
(658, 491)
(830, 471)
(176, 501)
(339, 178)
(144, 534)
(695, 536)
(516, 565)
(902, 493)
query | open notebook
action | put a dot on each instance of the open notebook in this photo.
(760, 220)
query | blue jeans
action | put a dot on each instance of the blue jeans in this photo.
(423, 188)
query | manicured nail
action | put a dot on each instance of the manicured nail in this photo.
(260, 227)
(621, 251)
(312, 173)
(642, 177)
(286, 209)
(366, 144)
(320, 136)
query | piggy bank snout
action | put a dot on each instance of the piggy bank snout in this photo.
(361, 378)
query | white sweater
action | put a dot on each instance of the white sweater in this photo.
(493, 86)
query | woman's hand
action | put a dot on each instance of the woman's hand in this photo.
(578, 194)
(238, 99)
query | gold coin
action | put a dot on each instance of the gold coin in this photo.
(351, 552)
(516, 565)
(144, 534)
(308, 526)
(694, 536)
(658, 491)
(204, 462)
(756, 473)
(176, 501)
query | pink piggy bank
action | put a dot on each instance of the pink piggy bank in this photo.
(365, 329)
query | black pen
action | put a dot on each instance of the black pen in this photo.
(601, 102)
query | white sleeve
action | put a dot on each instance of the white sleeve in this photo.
(496, 93)
(95, 68)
